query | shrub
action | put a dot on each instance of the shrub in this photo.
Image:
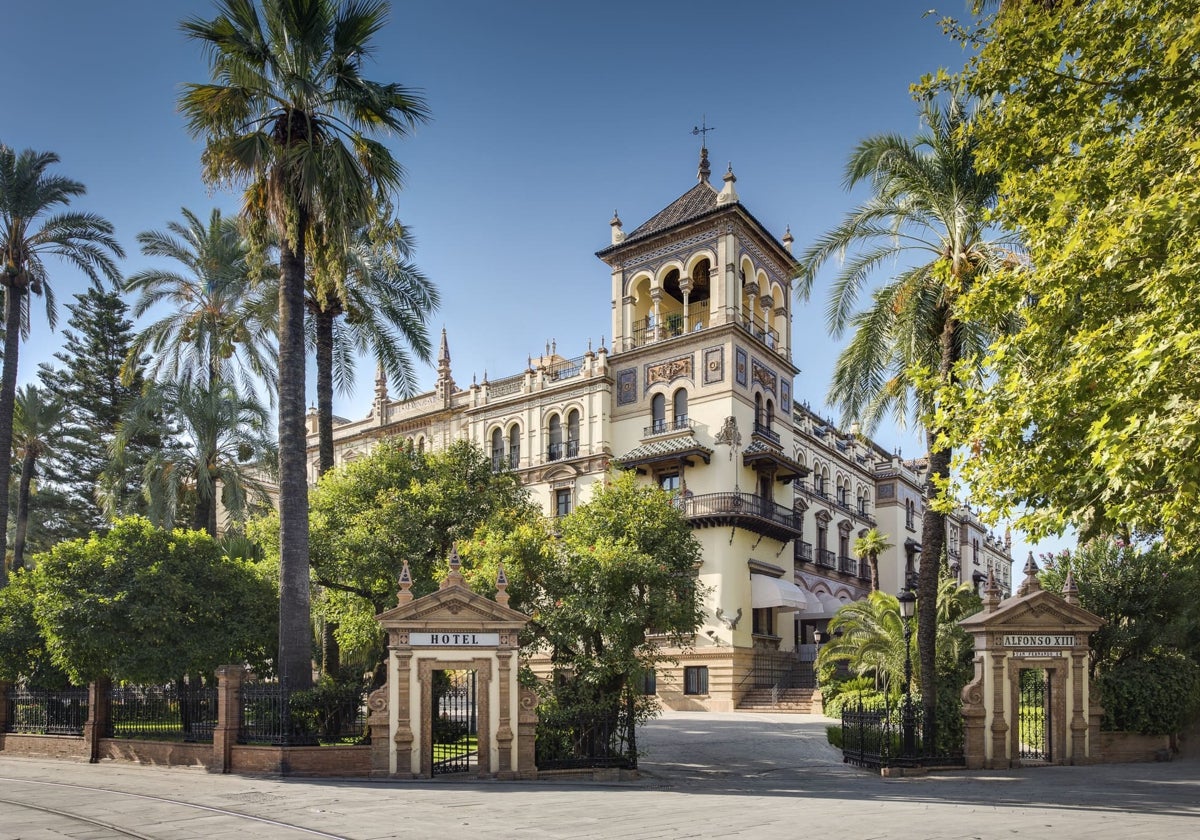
(1158, 694)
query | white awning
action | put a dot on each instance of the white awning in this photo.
(769, 591)
(821, 605)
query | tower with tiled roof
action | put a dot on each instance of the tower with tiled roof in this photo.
(701, 358)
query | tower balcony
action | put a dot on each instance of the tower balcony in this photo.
(742, 510)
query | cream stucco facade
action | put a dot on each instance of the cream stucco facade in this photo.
(696, 394)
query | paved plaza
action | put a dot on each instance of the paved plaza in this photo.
(703, 775)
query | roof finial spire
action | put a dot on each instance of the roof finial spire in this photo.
(702, 131)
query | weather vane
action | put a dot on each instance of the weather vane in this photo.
(702, 130)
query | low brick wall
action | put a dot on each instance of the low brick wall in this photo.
(45, 746)
(302, 761)
(1128, 747)
(164, 753)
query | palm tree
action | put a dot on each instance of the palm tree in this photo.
(871, 641)
(928, 214)
(37, 422)
(226, 444)
(289, 116)
(375, 301)
(868, 547)
(215, 313)
(30, 231)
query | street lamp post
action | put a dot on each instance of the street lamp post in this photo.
(908, 606)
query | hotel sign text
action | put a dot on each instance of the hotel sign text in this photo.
(1031, 640)
(455, 639)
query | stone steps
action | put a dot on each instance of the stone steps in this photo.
(799, 700)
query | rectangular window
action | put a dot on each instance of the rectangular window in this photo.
(669, 482)
(562, 502)
(695, 679)
(764, 621)
(649, 683)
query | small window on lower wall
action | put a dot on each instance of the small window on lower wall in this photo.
(695, 679)
(649, 682)
(764, 621)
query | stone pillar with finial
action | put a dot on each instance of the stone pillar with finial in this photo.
(454, 576)
(788, 239)
(618, 235)
(501, 586)
(405, 595)
(1031, 582)
(379, 409)
(728, 194)
(1070, 590)
(991, 593)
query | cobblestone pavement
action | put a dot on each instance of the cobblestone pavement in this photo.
(703, 775)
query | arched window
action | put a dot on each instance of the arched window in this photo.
(658, 413)
(909, 512)
(514, 446)
(421, 445)
(572, 433)
(758, 411)
(770, 413)
(555, 450)
(681, 408)
(497, 450)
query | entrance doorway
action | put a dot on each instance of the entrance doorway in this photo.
(1033, 715)
(455, 740)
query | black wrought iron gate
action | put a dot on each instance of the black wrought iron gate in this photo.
(455, 741)
(1033, 715)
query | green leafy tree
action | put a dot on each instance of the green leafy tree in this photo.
(868, 547)
(1145, 658)
(620, 585)
(219, 325)
(371, 300)
(929, 214)
(147, 605)
(1088, 413)
(87, 379)
(29, 232)
(226, 452)
(37, 424)
(290, 116)
(392, 505)
(23, 653)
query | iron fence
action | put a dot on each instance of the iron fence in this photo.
(35, 711)
(574, 741)
(273, 714)
(884, 734)
(168, 713)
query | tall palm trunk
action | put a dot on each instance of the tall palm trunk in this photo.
(323, 321)
(28, 471)
(933, 545)
(331, 655)
(205, 516)
(295, 641)
(8, 392)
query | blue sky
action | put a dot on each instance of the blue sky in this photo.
(547, 116)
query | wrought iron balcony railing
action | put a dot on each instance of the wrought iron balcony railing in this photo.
(565, 449)
(742, 510)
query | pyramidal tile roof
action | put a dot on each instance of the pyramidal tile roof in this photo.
(697, 201)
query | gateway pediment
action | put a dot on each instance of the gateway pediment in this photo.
(454, 605)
